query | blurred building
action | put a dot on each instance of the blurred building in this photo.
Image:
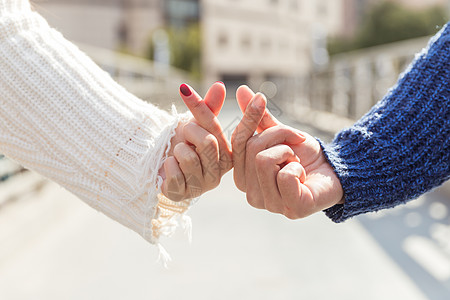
(245, 41)
(116, 24)
(252, 41)
(111, 24)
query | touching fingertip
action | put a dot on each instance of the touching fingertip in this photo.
(261, 95)
(259, 102)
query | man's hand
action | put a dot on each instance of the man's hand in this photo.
(281, 169)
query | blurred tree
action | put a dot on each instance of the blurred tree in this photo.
(185, 48)
(389, 22)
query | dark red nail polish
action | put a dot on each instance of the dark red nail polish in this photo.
(185, 90)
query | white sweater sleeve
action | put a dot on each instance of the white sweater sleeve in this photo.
(65, 118)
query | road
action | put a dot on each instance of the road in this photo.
(56, 247)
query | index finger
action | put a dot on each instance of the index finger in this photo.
(200, 110)
(207, 119)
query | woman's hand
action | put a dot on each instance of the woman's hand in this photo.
(200, 154)
(281, 169)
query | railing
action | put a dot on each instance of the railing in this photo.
(349, 86)
(150, 81)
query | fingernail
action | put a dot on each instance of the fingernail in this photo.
(301, 136)
(220, 82)
(185, 90)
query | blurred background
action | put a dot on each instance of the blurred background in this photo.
(322, 65)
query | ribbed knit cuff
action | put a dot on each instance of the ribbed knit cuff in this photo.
(339, 212)
(363, 192)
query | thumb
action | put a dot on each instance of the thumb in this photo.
(243, 95)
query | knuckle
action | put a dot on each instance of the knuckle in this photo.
(284, 176)
(283, 129)
(254, 202)
(263, 162)
(287, 149)
(240, 186)
(212, 185)
(210, 141)
(273, 207)
(178, 150)
(189, 126)
(290, 215)
(189, 160)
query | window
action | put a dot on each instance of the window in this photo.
(222, 40)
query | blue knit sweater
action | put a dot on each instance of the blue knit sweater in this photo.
(401, 148)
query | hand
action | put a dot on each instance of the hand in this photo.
(281, 169)
(200, 154)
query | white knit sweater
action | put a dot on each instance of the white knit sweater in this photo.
(65, 118)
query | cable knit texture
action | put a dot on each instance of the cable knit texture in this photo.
(401, 148)
(65, 118)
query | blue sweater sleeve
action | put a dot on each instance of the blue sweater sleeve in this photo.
(401, 148)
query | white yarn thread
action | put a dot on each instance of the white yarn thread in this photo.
(65, 118)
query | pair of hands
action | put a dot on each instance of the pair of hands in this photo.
(280, 169)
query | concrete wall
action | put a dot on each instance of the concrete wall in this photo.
(98, 23)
